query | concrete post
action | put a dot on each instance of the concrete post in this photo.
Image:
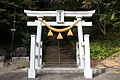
(87, 69)
(77, 54)
(38, 43)
(80, 40)
(31, 71)
(41, 54)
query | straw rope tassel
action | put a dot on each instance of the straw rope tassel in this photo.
(69, 33)
(59, 36)
(50, 33)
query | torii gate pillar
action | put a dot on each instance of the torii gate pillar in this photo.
(38, 45)
(80, 41)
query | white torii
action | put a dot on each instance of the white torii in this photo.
(82, 48)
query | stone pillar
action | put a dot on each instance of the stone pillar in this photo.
(38, 43)
(77, 54)
(87, 69)
(80, 40)
(31, 71)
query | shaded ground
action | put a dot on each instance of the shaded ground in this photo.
(58, 76)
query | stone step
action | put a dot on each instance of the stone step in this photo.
(61, 60)
(61, 70)
(74, 70)
(54, 55)
(61, 56)
(54, 62)
(57, 64)
(61, 64)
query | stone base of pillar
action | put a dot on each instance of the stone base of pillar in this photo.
(31, 73)
(79, 67)
(88, 73)
(38, 69)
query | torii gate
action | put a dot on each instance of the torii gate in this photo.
(82, 47)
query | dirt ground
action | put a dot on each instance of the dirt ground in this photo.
(9, 66)
(112, 62)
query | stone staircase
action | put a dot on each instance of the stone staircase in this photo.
(59, 56)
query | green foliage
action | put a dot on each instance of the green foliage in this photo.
(2, 52)
(10, 11)
(103, 49)
(106, 16)
(26, 40)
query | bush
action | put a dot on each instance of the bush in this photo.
(2, 52)
(103, 49)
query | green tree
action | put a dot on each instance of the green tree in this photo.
(106, 15)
